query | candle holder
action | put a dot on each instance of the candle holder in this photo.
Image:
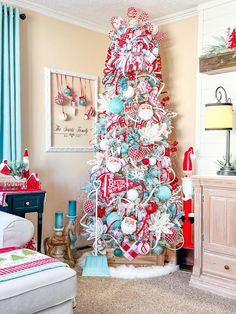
(70, 231)
(58, 251)
(58, 246)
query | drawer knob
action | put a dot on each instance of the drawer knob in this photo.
(27, 203)
(226, 267)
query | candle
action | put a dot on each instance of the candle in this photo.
(72, 208)
(59, 220)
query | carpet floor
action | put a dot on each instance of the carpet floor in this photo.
(168, 294)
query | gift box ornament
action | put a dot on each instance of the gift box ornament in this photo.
(129, 251)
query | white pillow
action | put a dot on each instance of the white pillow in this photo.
(14, 230)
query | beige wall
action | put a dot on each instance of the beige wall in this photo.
(179, 64)
(47, 42)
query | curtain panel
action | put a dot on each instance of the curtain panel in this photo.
(10, 113)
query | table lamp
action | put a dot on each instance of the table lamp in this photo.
(219, 116)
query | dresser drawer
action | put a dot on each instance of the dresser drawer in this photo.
(26, 203)
(219, 265)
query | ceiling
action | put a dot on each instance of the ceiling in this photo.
(96, 14)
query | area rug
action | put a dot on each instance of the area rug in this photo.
(162, 295)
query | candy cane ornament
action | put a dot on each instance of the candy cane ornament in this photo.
(89, 113)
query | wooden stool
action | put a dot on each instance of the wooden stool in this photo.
(61, 238)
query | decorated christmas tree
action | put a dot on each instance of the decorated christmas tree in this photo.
(132, 184)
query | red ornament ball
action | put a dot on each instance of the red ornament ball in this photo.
(172, 238)
(151, 208)
(143, 17)
(132, 13)
(101, 211)
(145, 161)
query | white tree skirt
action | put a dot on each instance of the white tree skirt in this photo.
(131, 272)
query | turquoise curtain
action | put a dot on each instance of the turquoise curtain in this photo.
(10, 113)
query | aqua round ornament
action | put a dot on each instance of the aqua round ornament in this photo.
(82, 101)
(116, 106)
(158, 249)
(164, 193)
(145, 194)
(67, 91)
(113, 220)
(117, 252)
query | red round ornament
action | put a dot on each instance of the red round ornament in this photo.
(143, 17)
(101, 211)
(145, 161)
(151, 208)
(132, 13)
(172, 238)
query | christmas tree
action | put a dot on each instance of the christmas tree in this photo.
(132, 184)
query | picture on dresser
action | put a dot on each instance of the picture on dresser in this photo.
(71, 99)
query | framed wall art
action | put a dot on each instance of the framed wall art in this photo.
(71, 100)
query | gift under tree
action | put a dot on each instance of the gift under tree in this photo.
(132, 184)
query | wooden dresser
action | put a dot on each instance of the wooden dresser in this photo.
(215, 235)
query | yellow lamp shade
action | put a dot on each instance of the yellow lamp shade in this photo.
(219, 116)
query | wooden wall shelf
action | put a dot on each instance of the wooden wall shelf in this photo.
(220, 63)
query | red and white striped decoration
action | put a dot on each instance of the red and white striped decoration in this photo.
(156, 118)
(89, 113)
(143, 248)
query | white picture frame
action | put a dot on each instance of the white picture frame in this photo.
(56, 147)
